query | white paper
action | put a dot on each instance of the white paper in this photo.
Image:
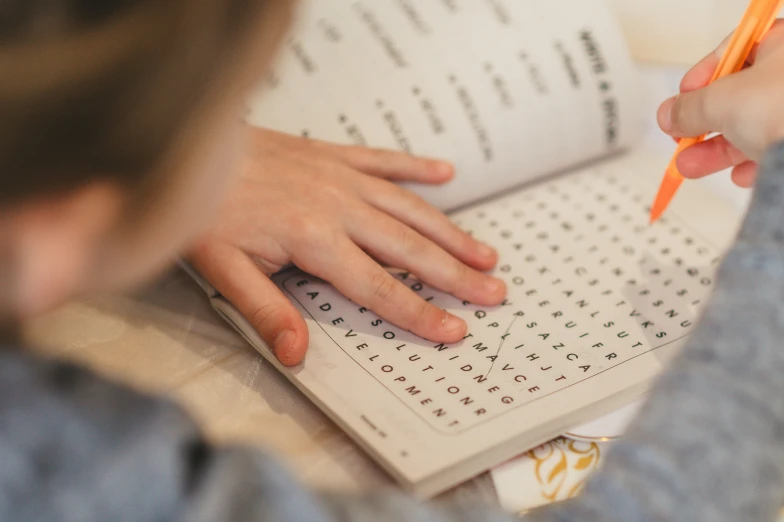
(508, 91)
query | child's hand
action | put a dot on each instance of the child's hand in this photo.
(331, 210)
(747, 108)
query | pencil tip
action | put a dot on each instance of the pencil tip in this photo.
(669, 185)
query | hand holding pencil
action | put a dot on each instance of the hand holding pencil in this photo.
(746, 108)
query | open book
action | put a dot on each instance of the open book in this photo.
(537, 105)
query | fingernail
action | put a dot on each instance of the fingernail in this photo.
(485, 250)
(444, 168)
(284, 344)
(665, 115)
(451, 323)
(493, 285)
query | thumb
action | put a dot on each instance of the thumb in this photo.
(702, 111)
(256, 297)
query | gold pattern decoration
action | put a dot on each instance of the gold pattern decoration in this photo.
(552, 472)
(562, 466)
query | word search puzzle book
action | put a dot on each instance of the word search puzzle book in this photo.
(537, 105)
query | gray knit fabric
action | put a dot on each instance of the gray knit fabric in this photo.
(708, 446)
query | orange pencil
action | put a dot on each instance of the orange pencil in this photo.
(759, 17)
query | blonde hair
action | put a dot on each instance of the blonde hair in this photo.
(103, 88)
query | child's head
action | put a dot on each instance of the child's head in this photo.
(119, 130)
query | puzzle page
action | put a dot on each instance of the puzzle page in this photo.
(598, 301)
(508, 90)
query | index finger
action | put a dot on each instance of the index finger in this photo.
(391, 164)
(701, 73)
(357, 276)
(771, 41)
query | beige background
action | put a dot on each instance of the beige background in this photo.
(676, 31)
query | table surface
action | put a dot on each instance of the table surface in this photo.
(167, 339)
